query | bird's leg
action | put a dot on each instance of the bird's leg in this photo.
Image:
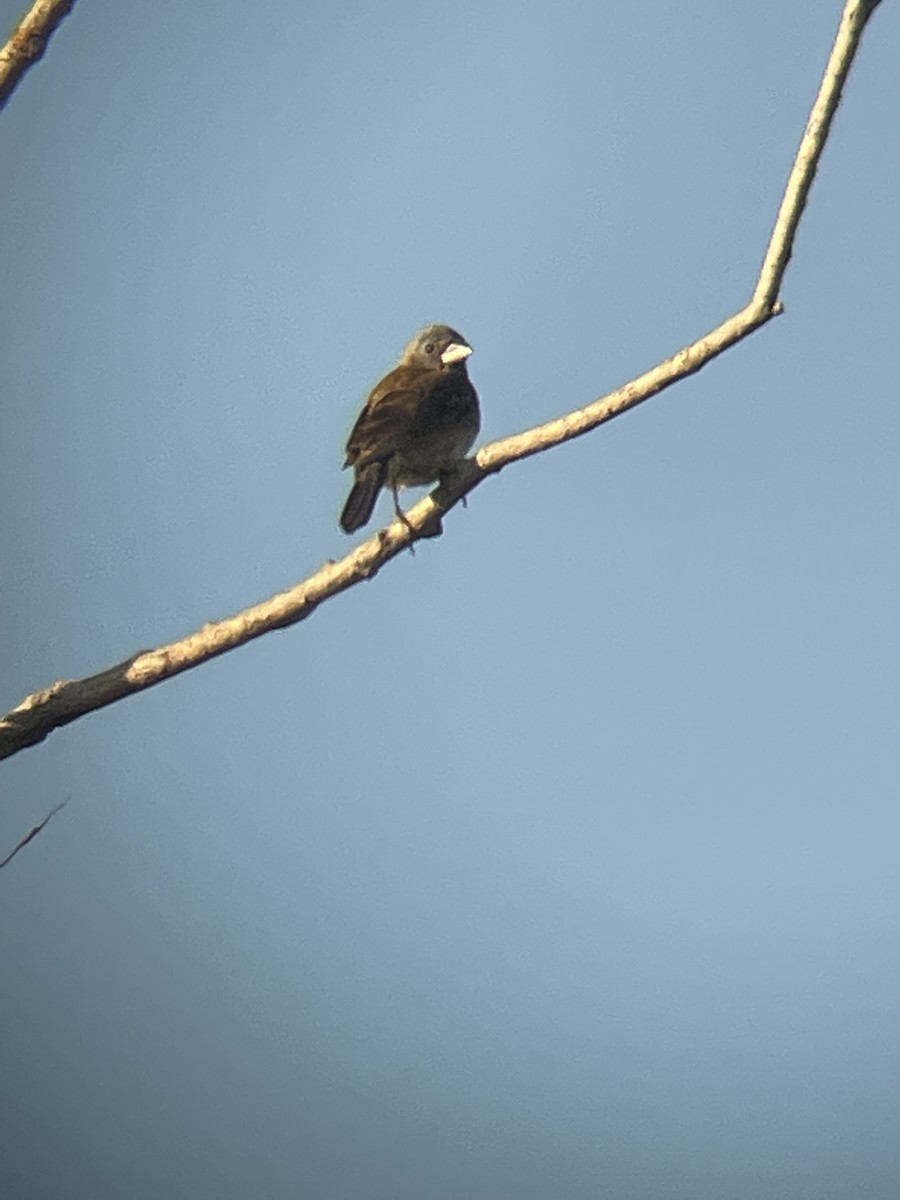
(398, 511)
(446, 478)
(402, 517)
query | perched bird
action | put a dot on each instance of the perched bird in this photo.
(416, 425)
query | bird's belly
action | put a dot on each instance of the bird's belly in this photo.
(430, 457)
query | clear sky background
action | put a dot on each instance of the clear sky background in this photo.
(560, 861)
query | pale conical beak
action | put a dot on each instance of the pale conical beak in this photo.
(455, 352)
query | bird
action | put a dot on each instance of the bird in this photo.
(416, 425)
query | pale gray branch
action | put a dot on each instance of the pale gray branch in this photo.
(28, 42)
(67, 700)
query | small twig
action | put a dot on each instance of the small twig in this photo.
(34, 832)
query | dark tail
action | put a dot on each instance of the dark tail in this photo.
(363, 494)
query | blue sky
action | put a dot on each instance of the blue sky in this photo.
(560, 860)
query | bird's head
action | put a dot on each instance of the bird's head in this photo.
(436, 347)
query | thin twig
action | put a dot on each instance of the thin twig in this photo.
(28, 42)
(32, 720)
(33, 834)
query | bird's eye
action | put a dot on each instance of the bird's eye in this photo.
(429, 348)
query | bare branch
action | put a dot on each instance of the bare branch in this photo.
(29, 41)
(23, 842)
(853, 21)
(65, 701)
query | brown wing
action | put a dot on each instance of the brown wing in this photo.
(384, 424)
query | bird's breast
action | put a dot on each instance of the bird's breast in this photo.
(427, 459)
